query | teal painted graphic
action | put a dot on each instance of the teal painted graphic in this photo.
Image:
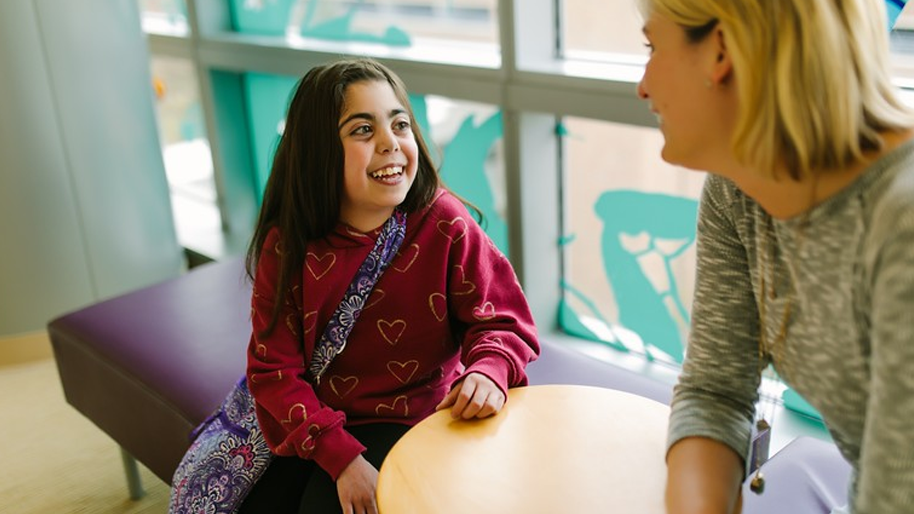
(464, 171)
(643, 308)
(894, 8)
(268, 17)
(318, 19)
(634, 224)
(571, 322)
(795, 402)
(420, 111)
(639, 225)
(268, 98)
(339, 28)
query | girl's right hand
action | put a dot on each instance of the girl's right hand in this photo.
(476, 396)
(356, 487)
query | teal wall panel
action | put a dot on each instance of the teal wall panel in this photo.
(268, 98)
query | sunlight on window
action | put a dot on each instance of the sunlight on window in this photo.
(166, 17)
(393, 23)
(602, 31)
(185, 149)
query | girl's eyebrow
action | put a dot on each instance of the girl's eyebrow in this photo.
(356, 116)
(368, 116)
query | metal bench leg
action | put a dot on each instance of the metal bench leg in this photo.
(134, 482)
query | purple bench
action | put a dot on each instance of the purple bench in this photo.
(147, 367)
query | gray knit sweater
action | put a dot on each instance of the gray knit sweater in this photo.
(849, 348)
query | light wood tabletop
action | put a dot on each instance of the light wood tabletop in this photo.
(552, 449)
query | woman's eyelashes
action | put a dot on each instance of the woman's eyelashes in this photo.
(650, 48)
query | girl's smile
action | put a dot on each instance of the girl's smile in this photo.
(388, 175)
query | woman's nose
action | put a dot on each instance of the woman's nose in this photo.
(642, 93)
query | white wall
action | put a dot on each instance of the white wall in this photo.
(84, 207)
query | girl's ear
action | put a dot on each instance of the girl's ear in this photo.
(722, 67)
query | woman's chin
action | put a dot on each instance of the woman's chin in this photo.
(670, 156)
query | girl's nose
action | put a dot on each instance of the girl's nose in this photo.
(388, 142)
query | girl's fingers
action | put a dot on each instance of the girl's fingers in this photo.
(487, 410)
(478, 409)
(485, 402)
(500, 400)
(474, 405)
(465, 394)
(449, 399)
(493, 404)
(367, 507)
(475, 397)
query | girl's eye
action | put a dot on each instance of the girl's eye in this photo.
(650, 48)
(401, 125)
(361, 130)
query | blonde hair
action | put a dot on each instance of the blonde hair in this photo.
(813, 77)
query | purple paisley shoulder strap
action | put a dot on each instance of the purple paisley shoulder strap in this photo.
(340, 325)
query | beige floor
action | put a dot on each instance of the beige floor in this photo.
(54, 460)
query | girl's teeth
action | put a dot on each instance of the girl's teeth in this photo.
(386, 172)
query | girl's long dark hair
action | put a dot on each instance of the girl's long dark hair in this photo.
(302, 195)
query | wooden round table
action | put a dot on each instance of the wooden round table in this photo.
(552, 449)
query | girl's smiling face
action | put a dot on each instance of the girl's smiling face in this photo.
(379, 151)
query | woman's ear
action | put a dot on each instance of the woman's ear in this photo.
(722, 67)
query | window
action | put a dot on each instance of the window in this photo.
(186, 151)
(902, 41)
(610, 32)
(602, 31)
(421, 29)
(388, 22)
(164, 17)
(628, 241)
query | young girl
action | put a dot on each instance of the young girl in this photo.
(445, 326)
(805, 236)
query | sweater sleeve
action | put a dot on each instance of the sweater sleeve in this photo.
(718, 385)
(293, 420)
(886, 470)
(492, 319)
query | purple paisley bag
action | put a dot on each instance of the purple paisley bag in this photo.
(227, 456)
(228, 453)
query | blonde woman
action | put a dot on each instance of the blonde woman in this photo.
(805, 235)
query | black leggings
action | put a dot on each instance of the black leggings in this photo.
(292, 485)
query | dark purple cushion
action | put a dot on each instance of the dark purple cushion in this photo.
(558, 364)
(148, 366)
